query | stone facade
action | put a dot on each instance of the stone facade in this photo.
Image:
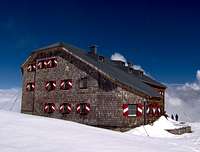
(104, 95)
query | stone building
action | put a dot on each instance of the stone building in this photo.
(65, 82)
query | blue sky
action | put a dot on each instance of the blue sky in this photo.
(161, 36)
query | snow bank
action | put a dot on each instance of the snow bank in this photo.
(158, 128)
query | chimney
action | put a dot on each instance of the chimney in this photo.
(93, 49)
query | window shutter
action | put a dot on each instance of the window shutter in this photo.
(65, 108)
(139, 111)
(50, 85)
(66, 84)
(49, 108)
(125, 110)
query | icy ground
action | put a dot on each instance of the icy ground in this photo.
(26, 133)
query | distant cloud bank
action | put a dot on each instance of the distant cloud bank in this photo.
(185, 100)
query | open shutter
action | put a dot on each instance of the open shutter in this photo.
(65, 108)
(49, 108)
(139, 111)
(125, 110)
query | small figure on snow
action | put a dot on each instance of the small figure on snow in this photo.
(172, 116)
(176, 117)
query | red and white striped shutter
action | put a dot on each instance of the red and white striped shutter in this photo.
(34, 67)
(54, 85)
(53, 107)
(154, 109)
(29, 69)
(139, 111)
(87, 107)
(158, 110)
(61, 109)
(69, 108)
(147, 109)
(55, 62)
(46, 108)
(62, 84)
(28, 87)
(78, 108)
(47, 85)
(69, 83)
(39, 65)
(125, 110)
(49, 63)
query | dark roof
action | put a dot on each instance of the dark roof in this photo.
(110, 69)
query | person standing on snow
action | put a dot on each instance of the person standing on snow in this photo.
(172, 116)
(176, 117)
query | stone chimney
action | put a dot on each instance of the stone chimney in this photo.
(93, 49)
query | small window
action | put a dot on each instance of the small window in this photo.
(65, 108)
(41, 64)
(83, 83)
(50, 85)
(49, 108)
(30, 86)
(31, 68)
(83, 108)
(132, 109)
(66, 84)
(51, 63)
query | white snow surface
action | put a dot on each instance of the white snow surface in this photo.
(20, 132)
(158, 128)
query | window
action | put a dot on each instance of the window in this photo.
(40, 65)
(49, 108)
(65, 108)
(31, 68)
(66, 84)
(83, 83)
(51, 63)
(50, 85)
(30, 86)
(83, 108)
(132, 109)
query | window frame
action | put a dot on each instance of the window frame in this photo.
(129, 109)
(84, 82)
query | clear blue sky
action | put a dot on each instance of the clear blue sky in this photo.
(161, 36)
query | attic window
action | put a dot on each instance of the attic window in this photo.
(51, 63)
(83, 83)
(50, 85)
(41, 64)
(30, 86)
(31, 68)
(66, 84)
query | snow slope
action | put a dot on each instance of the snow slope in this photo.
(20, 132)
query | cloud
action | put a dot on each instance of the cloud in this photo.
(198, 75)
(184, 100)
(120, 57)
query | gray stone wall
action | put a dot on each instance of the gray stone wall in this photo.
(106, 102)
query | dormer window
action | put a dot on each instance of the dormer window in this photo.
(50, 85)
(31, 68)
(30, 86)
(66, 84)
